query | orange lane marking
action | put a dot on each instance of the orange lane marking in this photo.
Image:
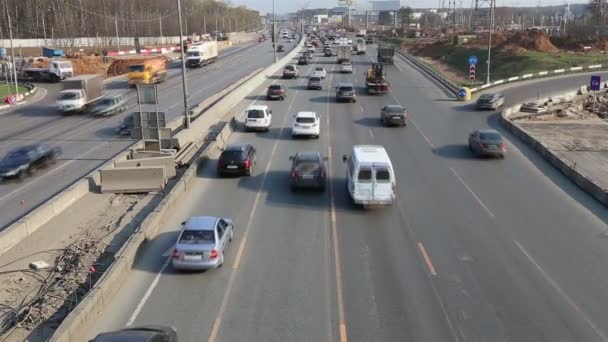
(427, 259)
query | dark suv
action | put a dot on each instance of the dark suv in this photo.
(303, 60)
(236, 160)
(276, 91)
(345, 92)
(308, 171)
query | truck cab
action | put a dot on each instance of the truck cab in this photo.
(153, 70)
(201, 54)
(79, 92)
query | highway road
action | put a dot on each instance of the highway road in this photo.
(473, 250)
(87, 142)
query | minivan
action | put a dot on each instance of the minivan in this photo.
(370, 176)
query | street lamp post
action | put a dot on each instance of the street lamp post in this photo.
(492, 4)
(182, 47)
(274, 38)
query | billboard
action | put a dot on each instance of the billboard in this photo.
(346, 3)
(384, 6)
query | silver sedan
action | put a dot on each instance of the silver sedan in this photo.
(202, 242)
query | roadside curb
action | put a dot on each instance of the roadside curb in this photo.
(21, 97)
(567, 168)
(525, 77)
(71, 329)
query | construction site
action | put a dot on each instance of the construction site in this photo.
(522, 39)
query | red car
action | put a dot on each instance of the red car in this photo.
(276, 91)
(261, 39)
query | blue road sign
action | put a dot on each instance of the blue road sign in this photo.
(595, 83)
(462, 93)
(473, 60)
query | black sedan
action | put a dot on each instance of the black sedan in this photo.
(236, 160)
(308, 171)
(303, 60)
(143, 334)
(24, 160)
(280, 48)
(393, 115)
(487, 142)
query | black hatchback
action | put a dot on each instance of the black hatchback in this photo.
(308, 171)
(236, 160)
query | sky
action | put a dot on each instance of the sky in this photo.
(285, 6)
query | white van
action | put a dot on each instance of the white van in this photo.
(370, 176)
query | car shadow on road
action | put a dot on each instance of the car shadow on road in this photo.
(469, 107)
(454, 151)
(276, 187)
(39, 111)
(369, 122)
(552, 173)
(256, 97)
(321, 99)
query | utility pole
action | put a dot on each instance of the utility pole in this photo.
(116, 27)
(492, 4)
(182, 47)
(204, 25)
(274, 45)
(10, 34)
(44, 29)
(160, 24)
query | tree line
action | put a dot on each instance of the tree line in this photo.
(144, 18)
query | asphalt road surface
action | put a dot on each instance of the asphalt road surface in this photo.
(87, 142)
(473, 250)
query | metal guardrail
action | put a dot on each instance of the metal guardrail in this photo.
(453, 87)
(430, 71)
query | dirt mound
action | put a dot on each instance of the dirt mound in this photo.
(121, 66)
(89, 65)
(498, 38)
(532, 40)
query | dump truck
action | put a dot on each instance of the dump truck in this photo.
(375, 80)
(79, 93)
(343, 53)
(56, 71)
(203, 53)
(385, 54)
(150, 71)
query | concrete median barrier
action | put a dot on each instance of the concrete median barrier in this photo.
(71, 329)
(133, 179)
(168, 163)
(564, 166)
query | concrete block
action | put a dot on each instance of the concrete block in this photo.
(67, 197)
(583, 90)
(39, 217)
(12, 235)
(133, 179)
(135, 154)
(166, 161)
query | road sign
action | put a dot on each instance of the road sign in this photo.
(12, 99)
(472, 71)
(462, 93)
(595, 83)
(473, 60)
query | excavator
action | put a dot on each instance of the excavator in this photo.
(375, 80)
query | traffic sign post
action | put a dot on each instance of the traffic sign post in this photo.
(473, 60)
(595, 85)
(596, 80)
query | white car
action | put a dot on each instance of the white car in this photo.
(349, 42)
(306, 124)
(346, 68)
(290, 40)
(258, 117)
(319, 72)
